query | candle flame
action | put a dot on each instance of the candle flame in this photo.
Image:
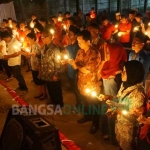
(58, 57)
(119, 34)
(136, 29)
(52, 31)
(149, 24)
(65, 27)
(124, 112)
(116, 26)
(93, 93)
(87, 90)
(65, 56)
(32, 25)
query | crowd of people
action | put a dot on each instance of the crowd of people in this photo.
(99, 69)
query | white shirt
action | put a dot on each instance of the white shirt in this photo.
(14, 46)
(3, 51)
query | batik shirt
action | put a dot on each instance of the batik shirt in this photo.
(91, 61)
(35, 60)
(50, 64)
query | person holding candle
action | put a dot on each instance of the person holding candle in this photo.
(131, 96)
(72, 50)
(87, 62)
(110, 73)
(14, 59)
(107, 30)
(124, 29)
(35, 55)
(4, 62)
(139, 53)
(51, 68)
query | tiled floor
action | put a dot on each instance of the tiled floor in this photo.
(66, 123)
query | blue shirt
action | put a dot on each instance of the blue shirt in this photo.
(144, 58)
(72, 51)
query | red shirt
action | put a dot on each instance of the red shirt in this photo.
(124, 27)
(106, 31)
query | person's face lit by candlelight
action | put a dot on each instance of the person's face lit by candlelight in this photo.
(137, 45)
(47, 39)
(82, 43)
(7, 39)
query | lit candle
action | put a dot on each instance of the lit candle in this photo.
(94, 94)
(66, 57)
(124, 112)
(59, 19)
(27, 49)
(136, 29)
(58, 57)
(149, 24)
(22, 39)
(65, 27)
(32, 25)
(88, 91)
(10, 25)
(116, 26)
(52, 31)
(119, 34)
(146, 33)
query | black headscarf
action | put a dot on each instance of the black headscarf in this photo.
(135, 73)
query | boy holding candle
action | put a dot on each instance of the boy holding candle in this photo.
(87, 62)
(14, 59)
(72, 50)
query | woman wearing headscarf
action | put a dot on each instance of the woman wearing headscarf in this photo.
(115, 55)
(130, 97)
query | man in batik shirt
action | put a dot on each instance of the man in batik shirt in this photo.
(50, 69)
(87, 62)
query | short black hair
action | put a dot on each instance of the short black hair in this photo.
(88, 15)
(5, 20)
(124, 16)
(141, 36)
(86, 35)
(132, 12)
(31, 35)
(104, 18)
(67, 13)
(43, 20)
(14, 21)
(74, 29)
(9, 18)
(139, 15)
(94, 25)
(6, 34)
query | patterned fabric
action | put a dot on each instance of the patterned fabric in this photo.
(91, 61)
(36, 49)
(129, 99)
(50, 64)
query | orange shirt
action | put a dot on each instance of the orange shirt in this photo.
(106, 31)
(124, 27)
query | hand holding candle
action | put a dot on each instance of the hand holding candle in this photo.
(32, 25)
(52, 31)
(119, 34)
(116, 26)
(136, 29)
